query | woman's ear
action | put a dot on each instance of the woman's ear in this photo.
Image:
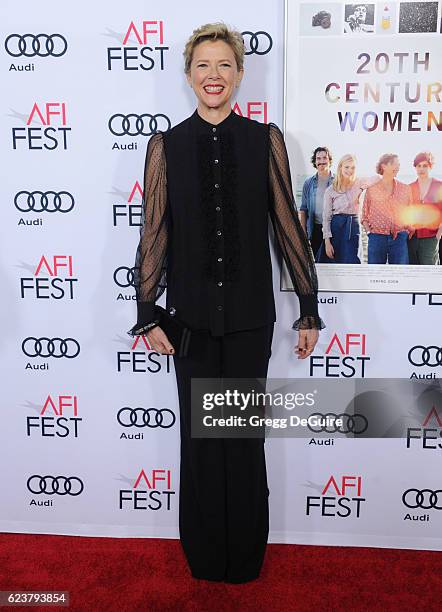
(239, 77)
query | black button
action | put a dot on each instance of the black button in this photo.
(219, 232)
(218, 208)
(220, 258)
(220, 284)
(219, 307)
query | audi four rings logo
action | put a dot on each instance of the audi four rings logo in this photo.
(44, 201)
(125, 277)
(356, 423)
(31, 45)
(146, 417)
(138, 125)
(425, 499)
(50, 347)
(55, 485)
(259, 43)
(430, 356)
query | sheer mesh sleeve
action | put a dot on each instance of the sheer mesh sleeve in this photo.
(291, 238)
(151, 255)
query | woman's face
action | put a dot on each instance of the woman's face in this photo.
(348, 169)
(423, 169)
(392, 168)
(214, 74)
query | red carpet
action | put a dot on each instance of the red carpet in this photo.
(125, 575)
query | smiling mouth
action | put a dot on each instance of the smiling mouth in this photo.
(214, 89)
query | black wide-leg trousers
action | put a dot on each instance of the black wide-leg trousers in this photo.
(223, 504)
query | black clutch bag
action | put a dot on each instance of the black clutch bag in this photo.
(177, 331)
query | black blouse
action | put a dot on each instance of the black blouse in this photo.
(208, 192)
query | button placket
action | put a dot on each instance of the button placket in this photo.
(219, 254)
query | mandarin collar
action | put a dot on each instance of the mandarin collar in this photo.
(205, 127)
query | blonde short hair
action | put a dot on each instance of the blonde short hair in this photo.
(387, 158)
(215, 31)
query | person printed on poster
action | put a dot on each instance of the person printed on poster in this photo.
(359, 18)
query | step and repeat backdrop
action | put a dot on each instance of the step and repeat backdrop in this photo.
(89, 442)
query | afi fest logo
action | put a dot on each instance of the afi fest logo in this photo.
(26, 46)
(50, 131)
(41, 202)
(129, 212)
(53, 278)
(345, 356)
(57, 418)
(152, 490)
(339, 498)
(429, 436)
(142, 358)
(141, 47)
(253, 110)
(426, 299)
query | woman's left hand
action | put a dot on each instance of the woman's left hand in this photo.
(307, 340)
(329, 250)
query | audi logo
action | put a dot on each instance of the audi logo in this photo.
(259, 43)
(425, 499)
(430, 356)
(125, 277)
(50, 347)
(31, 45)
(146, 417)
(356, 423)
(138, 125)
(44, 201)
(55, 485)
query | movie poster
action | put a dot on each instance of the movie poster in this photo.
(363, 121)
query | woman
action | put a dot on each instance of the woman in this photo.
(423, 247)
(340, 224)
(210, 184)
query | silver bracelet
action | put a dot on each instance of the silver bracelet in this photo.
(142, 330)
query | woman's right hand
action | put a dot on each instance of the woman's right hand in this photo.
(159, 341)
(329, 249)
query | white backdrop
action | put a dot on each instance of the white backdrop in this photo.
(60, 413)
